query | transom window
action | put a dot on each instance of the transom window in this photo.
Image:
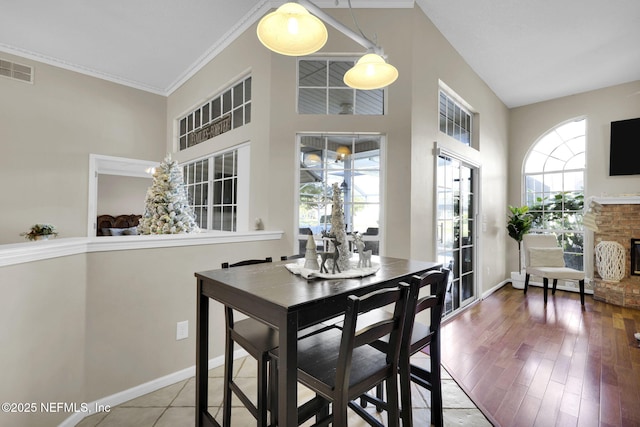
(212, 185)
(321, 89)
(223, 112)
(455, 120)
(554, 187)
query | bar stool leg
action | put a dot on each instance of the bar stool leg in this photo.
(228, 377)
(405, 393)
(262, 391)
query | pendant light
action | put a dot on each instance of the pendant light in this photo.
(291, 30)
(370, 72)
(342, 152)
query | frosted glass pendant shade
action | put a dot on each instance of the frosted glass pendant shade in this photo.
(370, 72)
(292, 30)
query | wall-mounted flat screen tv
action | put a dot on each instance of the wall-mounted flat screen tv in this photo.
(625, 144)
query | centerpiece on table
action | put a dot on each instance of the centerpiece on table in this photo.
(336, 262)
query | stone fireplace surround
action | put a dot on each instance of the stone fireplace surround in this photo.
(618, 221)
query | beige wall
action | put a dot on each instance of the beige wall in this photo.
(83, 327)
(600, 107)
(122, 195)
(47, 131)
(42, 338)
(134, 300)
(435, 60)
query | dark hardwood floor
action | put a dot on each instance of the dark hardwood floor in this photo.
(527, 365)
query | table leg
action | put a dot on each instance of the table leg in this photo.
(202, 356)
(288, 372)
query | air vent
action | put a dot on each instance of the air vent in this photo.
(15, 71)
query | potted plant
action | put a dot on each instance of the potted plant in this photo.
(518, 224)
(40, 232)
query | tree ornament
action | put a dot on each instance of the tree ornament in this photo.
(311, 254)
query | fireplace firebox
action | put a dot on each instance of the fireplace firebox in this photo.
(635, 257)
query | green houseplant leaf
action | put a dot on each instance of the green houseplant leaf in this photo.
(519, 223)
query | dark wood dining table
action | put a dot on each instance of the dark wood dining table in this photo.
(288, 302)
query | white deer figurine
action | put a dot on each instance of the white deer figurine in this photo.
(364, 256)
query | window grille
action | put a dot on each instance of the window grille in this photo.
(228, 110)
(321, 90)
(212, 187)
(455, 120)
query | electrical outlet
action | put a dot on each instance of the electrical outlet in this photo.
(182, 330)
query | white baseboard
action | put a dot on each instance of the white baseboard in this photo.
(486, 293)
(142, 389)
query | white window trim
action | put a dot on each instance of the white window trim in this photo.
(109, 165)
(243, 182)
(475, 130)
(219, 91)
(588, 244)
(242, 199)
(219, 94)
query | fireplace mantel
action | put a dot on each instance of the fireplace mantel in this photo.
(618, 200)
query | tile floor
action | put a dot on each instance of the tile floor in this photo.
(174, 405)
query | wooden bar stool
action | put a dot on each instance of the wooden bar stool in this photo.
(257, 339)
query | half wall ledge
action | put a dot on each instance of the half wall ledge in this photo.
(19, 253)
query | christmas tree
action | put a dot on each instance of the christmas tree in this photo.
(338, 229)
(167, 209)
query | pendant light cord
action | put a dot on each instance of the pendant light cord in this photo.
(355, 21)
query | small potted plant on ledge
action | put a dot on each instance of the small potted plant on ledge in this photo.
(40, 232)
(518, 224)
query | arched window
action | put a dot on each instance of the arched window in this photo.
(554, 187)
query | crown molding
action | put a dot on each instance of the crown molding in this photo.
(38, 57)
